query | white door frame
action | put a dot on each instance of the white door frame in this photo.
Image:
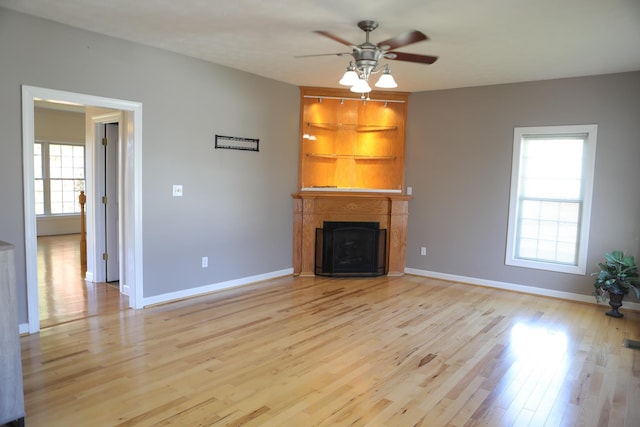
(132, 171)
(96, 238)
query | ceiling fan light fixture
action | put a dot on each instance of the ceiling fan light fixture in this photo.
(350, 77)
(367, 55)
(386, 80)
(361, 86)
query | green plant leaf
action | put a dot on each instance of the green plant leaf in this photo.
(618, 273)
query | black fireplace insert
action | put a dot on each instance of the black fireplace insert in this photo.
(350, 249)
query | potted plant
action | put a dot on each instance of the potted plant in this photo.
(618, 273)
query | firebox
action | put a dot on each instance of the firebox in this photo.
(347, 248)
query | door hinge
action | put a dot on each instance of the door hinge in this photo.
(104, 141)
(104, 200)
(105, 256)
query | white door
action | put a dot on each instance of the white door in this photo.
(111, 174)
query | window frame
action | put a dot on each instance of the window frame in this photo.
(46, 175)
(587, 178)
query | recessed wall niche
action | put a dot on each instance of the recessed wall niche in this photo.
(351, 144)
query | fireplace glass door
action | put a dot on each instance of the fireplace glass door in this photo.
(350, 249)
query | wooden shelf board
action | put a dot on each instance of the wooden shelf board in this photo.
(355, 127)
(350, 156)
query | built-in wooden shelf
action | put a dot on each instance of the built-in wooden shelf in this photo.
(347, 142)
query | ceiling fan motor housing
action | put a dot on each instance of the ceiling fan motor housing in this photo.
(366, 58)
(368, 25)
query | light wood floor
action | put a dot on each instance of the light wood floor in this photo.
(63, 294)
(405, 351)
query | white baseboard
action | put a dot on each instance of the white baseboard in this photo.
(193, 292)
(23, 329)
(88, 276)
(514, 287)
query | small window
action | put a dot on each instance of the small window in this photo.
(59, 178)
(550, 204)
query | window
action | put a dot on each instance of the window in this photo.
(550, 204)
(59, 177)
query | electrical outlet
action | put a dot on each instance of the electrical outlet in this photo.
(205, 262)
(177, 190)
(423, 251)
(409, 191)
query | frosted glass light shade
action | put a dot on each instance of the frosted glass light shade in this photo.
(349, 79)
(361, 86)
(386, 81)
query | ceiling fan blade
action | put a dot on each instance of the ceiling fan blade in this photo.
(402, 40)
(411, 57)
(334, 37)
(323, 54)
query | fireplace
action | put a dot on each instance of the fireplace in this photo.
(350, 249)
(313, 208)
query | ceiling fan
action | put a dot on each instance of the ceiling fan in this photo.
(367, 55)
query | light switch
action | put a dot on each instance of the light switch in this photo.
(177, 191)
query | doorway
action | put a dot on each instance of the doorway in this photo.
(130, 194)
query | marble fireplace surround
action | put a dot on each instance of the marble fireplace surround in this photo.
(313, 208)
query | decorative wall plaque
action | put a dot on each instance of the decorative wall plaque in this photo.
(237, 143)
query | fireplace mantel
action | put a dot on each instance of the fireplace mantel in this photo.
(313, 208)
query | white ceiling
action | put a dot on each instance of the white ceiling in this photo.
(479, 42)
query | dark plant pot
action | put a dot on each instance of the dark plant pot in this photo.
(615, 301)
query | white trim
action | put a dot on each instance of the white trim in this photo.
(193, 292)
(134, 211)
(30, 225)
(23, 328)
(514, 287)
(133, 228)
(589, 159)
(55, 140)
(350, 189)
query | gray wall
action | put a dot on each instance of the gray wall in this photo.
(459, 153)
(237, 206)
(59, 126)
